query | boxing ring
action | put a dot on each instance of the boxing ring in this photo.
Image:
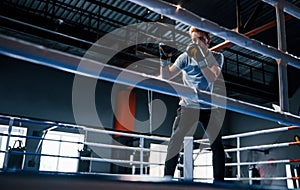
(14, 48)
(69, 63)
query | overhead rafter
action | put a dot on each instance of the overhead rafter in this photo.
(189, 18)
(249, 34)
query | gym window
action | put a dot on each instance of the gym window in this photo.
(68, 149)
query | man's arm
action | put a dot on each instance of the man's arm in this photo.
(205, 59)
(169, 72)
(212, 71)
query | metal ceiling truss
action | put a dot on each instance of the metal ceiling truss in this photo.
(103, 16)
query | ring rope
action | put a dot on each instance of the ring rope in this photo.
(62, 61)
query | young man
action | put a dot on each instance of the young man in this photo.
(200, 68)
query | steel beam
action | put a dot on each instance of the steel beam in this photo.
(189, 18)
(282, 65)
(287, 7)
(249, 34)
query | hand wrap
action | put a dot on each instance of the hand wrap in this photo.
(196, 52)
(165, 53)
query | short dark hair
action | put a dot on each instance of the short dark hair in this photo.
(194, 29)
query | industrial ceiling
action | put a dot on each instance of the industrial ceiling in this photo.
(73, 26)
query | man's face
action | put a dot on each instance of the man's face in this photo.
(199, 37)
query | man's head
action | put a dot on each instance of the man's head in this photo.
(197, 35)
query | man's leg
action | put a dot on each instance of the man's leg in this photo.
(218, 159)
(213, 130)
(184, 122)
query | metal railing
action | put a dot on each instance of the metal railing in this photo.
(143, 152)
(239, 148)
